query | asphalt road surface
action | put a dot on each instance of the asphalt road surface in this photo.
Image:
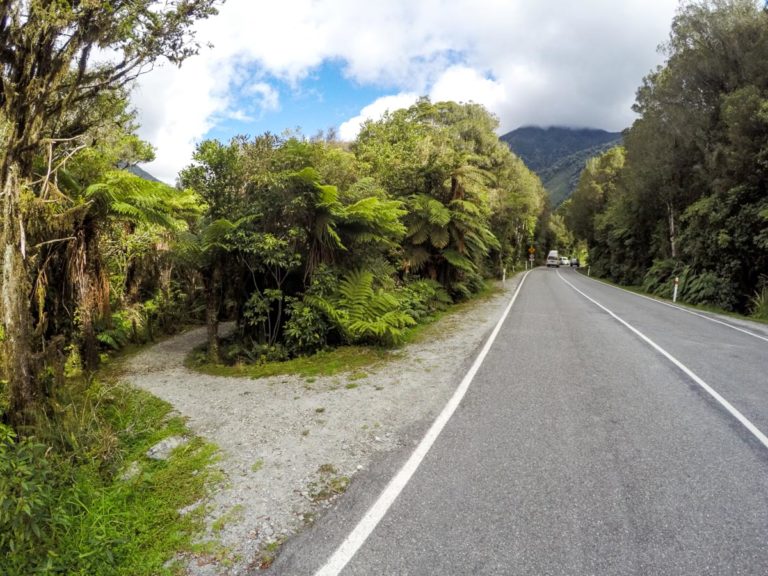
(583, 445)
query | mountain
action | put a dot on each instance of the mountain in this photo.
(558, 154)
(141, 173)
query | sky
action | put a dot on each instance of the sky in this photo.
(267, 65)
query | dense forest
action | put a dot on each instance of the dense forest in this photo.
(687, 195)
(324, 244)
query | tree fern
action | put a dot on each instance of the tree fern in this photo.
(363, 314)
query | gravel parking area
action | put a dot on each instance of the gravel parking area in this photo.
(290, 444)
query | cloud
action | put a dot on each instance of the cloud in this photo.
(349, 129)
(463, 84)
(556, 62)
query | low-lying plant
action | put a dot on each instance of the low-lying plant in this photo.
(67, 504)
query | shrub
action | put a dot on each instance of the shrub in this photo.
(422, 298)
(306, 330)
(30, 510)
(658, 280)
(708, 288)
(759, 303)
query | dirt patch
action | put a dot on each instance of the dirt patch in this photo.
(290, 445)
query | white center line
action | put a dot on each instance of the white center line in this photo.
(723, 402)
(376, 512)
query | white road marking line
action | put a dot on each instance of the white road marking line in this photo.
(723, 402)
(683, 309)
(376, 512)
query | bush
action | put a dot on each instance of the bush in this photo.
(64, 509)
(31, 512)
(658, 280)
(707, 288)
(759, 302)
(364, 314)
(306, 330)
(422, 298)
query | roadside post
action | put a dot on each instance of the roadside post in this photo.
(503, 275)
(674, 292)
(589, 271)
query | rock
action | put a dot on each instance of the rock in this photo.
(162, 450)
(131, 472)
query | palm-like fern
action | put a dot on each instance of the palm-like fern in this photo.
(121, 195)
(118, 196)
(446, 240)
(363, 314)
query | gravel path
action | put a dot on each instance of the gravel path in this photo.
(289, 444)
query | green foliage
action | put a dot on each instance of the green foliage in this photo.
(306, 330)
(64, 507)
(30, 508)
(759, 303)
(422, 298)
(124, 196)
(363, 314)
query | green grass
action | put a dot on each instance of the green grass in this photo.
(233, 514)
(269, 553)
(326, 363)
(94, 521)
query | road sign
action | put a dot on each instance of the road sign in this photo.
(531, 250)
(530, 258)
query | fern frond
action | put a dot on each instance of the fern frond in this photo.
(458, 260)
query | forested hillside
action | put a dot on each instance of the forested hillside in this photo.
(687, 196)
(558, 154)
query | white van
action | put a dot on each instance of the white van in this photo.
(553, 259)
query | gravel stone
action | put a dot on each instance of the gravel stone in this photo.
(162, 450)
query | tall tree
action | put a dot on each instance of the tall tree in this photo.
(48, 85)
(689, 199)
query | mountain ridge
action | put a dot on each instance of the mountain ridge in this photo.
(558, 154)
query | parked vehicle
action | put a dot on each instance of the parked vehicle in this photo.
(553, 259)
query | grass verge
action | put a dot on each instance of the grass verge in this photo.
(88, 501)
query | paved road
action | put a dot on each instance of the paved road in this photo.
(580, 449)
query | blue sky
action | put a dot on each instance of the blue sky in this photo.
(324, 99)
(314, 64)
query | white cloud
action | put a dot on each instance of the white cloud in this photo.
(349, 129)
(463, 84)
(267, 97)
(555, 62)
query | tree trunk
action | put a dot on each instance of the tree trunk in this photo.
(672, 232)
(87, 281)
(212, 284)
(16, 346)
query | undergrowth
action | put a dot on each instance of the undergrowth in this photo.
(68, 504)
(334, 361)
